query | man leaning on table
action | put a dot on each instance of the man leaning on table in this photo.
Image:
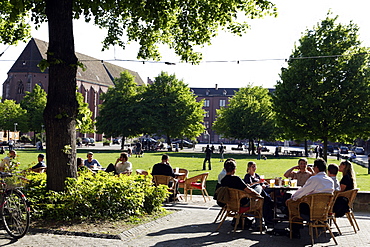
(318, 183)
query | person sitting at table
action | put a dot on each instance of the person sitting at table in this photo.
(221, 175)
(235, 182)
(348, 182)
(122, 165)
(318, 183)
(164, 168)
(90, 162)
(302, 174)
(254, 180)
(40, 166)
(332, 173)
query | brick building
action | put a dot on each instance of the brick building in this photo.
(214, 98)
(95, 80)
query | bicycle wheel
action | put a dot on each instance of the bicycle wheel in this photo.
(15, 213)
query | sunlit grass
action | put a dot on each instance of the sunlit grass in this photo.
(271, 168)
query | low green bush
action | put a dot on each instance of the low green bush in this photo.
(99, 196)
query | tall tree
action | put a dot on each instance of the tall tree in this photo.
(180, 24)
(169, 108)
(10, 113)
(249, 115)
(119, 115)
(34, 102)
(324, 92)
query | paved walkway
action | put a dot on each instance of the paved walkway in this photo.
(192, 225)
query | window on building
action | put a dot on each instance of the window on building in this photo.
(222, 102)
(206, 103)
(206, 114)
(20, 89)
(206, 124)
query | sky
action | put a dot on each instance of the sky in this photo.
(266, 46)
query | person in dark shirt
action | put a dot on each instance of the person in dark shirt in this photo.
(163, 168)
(208, 152)
(235, 182)
(348, 182)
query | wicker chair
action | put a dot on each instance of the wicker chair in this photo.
(196, 183)
(234, 210)
(181, 179)
(320, 205)
(165, 180)
(351, 196)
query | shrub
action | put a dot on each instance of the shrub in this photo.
(99, 196)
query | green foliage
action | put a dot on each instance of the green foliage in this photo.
(249, 115)
(119, 114)
(34, 102)
(84, 122)
(169, 108)
(99, 196)
(10, 113)
(324, 92)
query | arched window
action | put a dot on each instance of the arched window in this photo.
(20, 89)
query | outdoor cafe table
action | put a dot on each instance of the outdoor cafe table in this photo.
(276, 192)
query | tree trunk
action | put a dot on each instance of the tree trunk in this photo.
(305, 148)
(61, 108)
(123, 143)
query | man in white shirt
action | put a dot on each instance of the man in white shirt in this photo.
(6, 161)
(319, 183)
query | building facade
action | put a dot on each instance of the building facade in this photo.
(97, 77)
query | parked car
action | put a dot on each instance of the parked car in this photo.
(265, 149)
(92, 142)
(359, 150)
(85, 140)
(116, 141)
(185, 143)
(344, 150)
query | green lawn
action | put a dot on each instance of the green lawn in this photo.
(272, 167)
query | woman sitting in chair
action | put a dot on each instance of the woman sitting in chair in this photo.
(348, 182)
(254, 180)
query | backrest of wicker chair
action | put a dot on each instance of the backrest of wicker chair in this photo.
(161, 179)
(320, 205)
(235, 196)
(349, 194)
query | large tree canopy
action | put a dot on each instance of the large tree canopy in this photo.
(249, 115)
(169, 108)
(181, 24)
(119, 114)
(324, 92)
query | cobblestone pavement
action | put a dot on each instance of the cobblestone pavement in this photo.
(191, 224)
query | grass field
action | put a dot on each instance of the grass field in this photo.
(271, 168)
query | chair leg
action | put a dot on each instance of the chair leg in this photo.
(336, 225)
(354, 220)
(205, 200)
(331, 233)
(349, 217)
(220, 214)
(205, 191)
(222, 221)
(310, 229)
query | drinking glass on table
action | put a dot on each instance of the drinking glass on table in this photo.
(286, 182)
(262, 178)
(294, 182)
(272, 183)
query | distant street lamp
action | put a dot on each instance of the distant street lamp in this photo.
(207, 136)
(42, 133)
(15, 130)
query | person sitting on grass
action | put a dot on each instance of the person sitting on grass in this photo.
(40, 167)
(302, 174)
(122, 165)
(90, 162)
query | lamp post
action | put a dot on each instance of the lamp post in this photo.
(15, 130)
(42, 133)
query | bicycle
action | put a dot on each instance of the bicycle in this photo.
(14, 207)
